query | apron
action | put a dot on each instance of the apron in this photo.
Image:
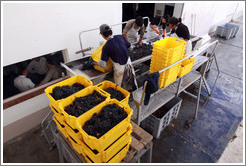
(119, 72)
(188, 47)
(132, 34)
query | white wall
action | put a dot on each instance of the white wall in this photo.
(35, 29)
(178, 10)
(24, 109)
(208, 14)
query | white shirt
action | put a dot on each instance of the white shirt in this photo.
(38, 67)
(23, 83)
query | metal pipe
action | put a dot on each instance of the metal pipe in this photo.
(70, 70)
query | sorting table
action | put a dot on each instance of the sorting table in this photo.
(141, 144)
(165, 94)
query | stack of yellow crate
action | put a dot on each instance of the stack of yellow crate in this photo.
(113, 146)
(166, 52)
(58, 117)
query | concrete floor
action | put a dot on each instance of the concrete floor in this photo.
(203, 142)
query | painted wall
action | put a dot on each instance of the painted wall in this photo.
(35, 29)
(207, 15)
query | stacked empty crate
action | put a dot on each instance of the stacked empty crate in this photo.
(226, 30)
(166, 52)
(112, 146)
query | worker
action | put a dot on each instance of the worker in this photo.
(38, 65)
(37, 69)
(116, 49)
(158, 21)
(22, 82)
(53, 73)
(181, 31)
(131, 29)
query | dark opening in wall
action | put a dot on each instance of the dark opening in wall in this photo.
(13, 71)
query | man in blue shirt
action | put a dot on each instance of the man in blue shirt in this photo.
(115, 49)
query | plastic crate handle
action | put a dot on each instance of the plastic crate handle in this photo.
(99, 85)
(72, 139)
(102, 91)
(179, 40)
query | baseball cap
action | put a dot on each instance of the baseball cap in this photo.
(104, 28)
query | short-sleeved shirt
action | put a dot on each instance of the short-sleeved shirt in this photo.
(182, 31)
(158, 22)
(116, 48)
(23, 83)
(38, 67)
(130, 24)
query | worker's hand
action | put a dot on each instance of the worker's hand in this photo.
(163, 36)
(95, 63)
(156, 30)
(140, 43)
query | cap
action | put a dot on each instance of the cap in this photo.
(104, 28)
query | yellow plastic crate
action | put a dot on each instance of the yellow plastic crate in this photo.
(167, 78)
(108, 84)
(165, 82)
(108, 138)
(54, 110)
(77, 147)
(106, 155)
(74, 134)
(186, 66)
(173, 70)
(70, 81)
(170, 44)
(72, 120)
(157, 61)
(118, 157)
(96, 56)
(60, 124)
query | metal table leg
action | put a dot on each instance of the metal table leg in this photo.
(198, 97)
(149, 152)
(206, 86)
(179, 84)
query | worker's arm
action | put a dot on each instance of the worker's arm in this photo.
(128, 26)
(164, 33)
(125, 36)
(142, 28)
(140, 41)
(104, 58)
(101, 63)
(47, 78)
(156, 30)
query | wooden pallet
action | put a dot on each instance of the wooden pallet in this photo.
(141, 142)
